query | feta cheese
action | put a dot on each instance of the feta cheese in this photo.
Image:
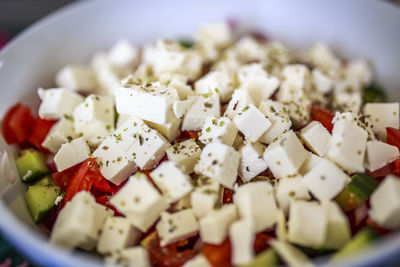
(219, 162)
(240, 99)
(338, 231)
(106, 75)
(124, 56)
(316, 137)
(379, 154)
(251, 122)
(79, 223)
(121, 119)
(323, 58)
(280, 230)
(175, 226)
(61, 132)
(326, 180)
(348, 100)
(184, 154)
(241, 234)
(134, 256)
(322, 82)
(385, 203)
(172, 182)
(218, 130)
(290, 254)
(204, 197)
(309, 163)
(291, 188)
(238, 141)
(178, 82)
(285, 156)
(217, 33)
(57, 103)
(71, 154)
(197, 261)
(170, 130)
(361, 70)
(214, 226)
(117, 234)
(216, 82)
(181, 106)
(139, 201)
(277, 55)
(252, 200)
(382, 115)
(251, 161)
(76, 78)
(247, 50)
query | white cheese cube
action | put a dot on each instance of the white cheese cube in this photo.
(204, 197)
(251, 161)
(197, 261)
(170, 130)
(123, 55)
(322, 82)
(251, 122)
(323, 58)
(358, 120)
(326, 180)
(296, 82)
(172, 182)
(185, 154)
(241, 235)
(57, 102)
(216, 82)
(71, 154)
(338, 232)
(238, 141)
(121, 119)
(117, 234)
(135, 256)
(290, 254)
(379, 154)
(291, 188)
(385, 203)
(308, 224)
(178, 82)
(76, 78)
(348, 101)
(80, 222)
(139, 201)
(182, 204)
(206, 105)
(107, 79)
(175, 226)
(217, 33)
(240, 99)
(309, 163)
(285, 155)
(280, 230)
(219, 162)
(361, 70)
(221, 130)
(61, 132)
(214, 226)
(252, 200)
(247, 50)
(347, 146)
(316, 137)
(382, 115)
(181, 106)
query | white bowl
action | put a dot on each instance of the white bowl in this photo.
(368, 29)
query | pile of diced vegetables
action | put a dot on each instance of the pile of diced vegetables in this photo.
(226, 150)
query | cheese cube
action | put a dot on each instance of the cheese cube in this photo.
(252, 200)
(241, 235)
(338, 232)
(214, 226)
(251, 161)
(290, 254)
(181, 106)
(385, 203)
(280, 230)
(347, 146)
(123, 55)
(184, 154)
(107, 79)
(216, 82)
(135, 256)
(219, 162)
(57, 103)
(316, 137)
(217, 33)
(326, 180)
(206, 105)
(296, 82)
(240, 99)
(178, 82)
(309, 163)
(221, 130)
(278, 115)
(182, 204)
(348, 101)
(76, 78)
(117, 234)
(121, 119)
(175, 226)
(204, 197)
(139, 201)
(322, 82)
(197, 261)
(170, 130)
(289, 189)
(71, 154)
(379, 154)
(308, 224)
(285, 155)
(238, 141)
(382, 115)
(323, 58)
(251, 122)
(80, 222)
(361, 70)
(61, 132)
(248, 49)
(172, 182)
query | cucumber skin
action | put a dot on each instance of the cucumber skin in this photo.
(40, 200)
(37, 164)
(267, 258)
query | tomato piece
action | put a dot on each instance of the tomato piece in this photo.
(228, 196)
(17, 124)
(393, 137)
(218, 255)
(323, 116)
(62, 178)
(382, 172)
(396, 167)
(261, 242)
(40, 131)
(374, 225)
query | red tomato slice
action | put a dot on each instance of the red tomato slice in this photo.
(228, 196)
(218, 255)
(17, 124)
(323, 116)
(261, 242)
(40, 131)
(393, 137)
(62, 178)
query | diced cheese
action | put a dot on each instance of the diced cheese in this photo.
(76, 78)
(251, 161)
(139, 201)
(218, 130)
(57, 103)
(175, 226)
(135, 256)
(198, 261)
(238, 141)
(285, 155)
(204, 197)
(326, 180)
(309, 163)
(217, 33)
(361, 70)
(290, 254)
(241, 235)
(117, 234)
(382, 115)
(124, 56)
(185, 154)
(281, 230)
(216, 82)
(338, 232)
(323, 58)
(252, 200)
(385, 203)
(170, 130)
(214, 226)
(181, 106)
(182, 204)
(219, 162)
(277, 56)
(178, 82)
(247, 50)
(240, 99)
(291, 188)
(322, 82)
(79, 223)
(61, 132)
(379, 154)
(316, 137)
(107, 79)
(348, 100)
(121, 119)
(172, 182)
(251, 122)
(71, 154)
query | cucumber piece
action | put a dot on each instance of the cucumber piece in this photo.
(347, 200)
(40, 200)
(361, 241)
(31, 164)
(267, 258)
(46, 180)
(186, 43)
(374, 93)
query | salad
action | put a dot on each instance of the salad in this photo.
(225, 150)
